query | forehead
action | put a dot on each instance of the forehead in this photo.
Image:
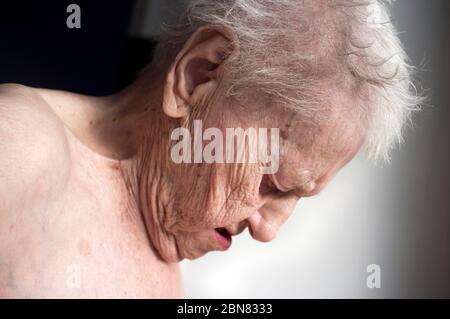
(330, 137)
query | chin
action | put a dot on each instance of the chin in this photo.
(181, 251)
(195, 245)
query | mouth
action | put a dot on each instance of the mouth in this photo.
(223, 237)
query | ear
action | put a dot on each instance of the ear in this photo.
(197, 69)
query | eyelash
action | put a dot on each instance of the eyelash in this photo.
(267, 186)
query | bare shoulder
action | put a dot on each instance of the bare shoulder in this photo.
(33, 144)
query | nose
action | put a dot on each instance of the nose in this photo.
(236, 229)
(261, 229)
(266, 221)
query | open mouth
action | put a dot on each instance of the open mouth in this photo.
(223, 237)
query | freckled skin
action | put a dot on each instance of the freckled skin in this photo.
(84, 247)
(64, 205)
(88, 181)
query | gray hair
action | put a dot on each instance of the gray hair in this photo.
(289, 47)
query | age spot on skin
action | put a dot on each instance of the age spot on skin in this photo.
(114, 166)
(84, 248)
(284, 134)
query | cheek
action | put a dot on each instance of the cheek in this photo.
(219, 195)
(241, 196)
(291, 162)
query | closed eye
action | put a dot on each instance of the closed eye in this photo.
(267, 186)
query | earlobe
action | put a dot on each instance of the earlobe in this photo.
(197, 69)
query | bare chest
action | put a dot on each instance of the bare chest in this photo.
(81, 240)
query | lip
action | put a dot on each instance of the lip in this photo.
(223, 237)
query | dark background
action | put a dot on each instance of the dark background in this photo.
(37, 48)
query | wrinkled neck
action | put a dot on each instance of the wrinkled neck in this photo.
(146, 173)
(129, 131)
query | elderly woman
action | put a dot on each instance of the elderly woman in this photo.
(93, 203)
